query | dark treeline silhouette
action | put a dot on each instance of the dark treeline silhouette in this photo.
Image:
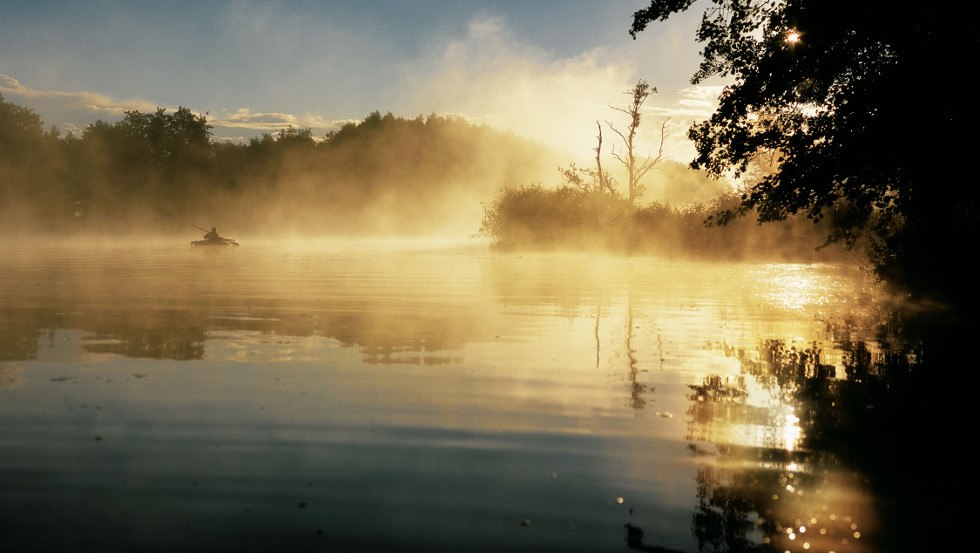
(163, 171)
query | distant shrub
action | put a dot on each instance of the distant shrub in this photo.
(538, 218)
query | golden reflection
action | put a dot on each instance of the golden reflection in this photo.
(762, 424)
(791, 432)
(548, 346)
(794, 286)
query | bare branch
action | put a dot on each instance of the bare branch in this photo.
(598, 160)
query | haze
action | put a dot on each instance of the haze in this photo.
(544, 71)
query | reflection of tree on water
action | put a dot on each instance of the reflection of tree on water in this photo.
(790, 478)
(715, 388)
(634, 539)
(404, 338)
(181, 333)
(598, 342)
(636, 389)
(131, 333)
(153, 335)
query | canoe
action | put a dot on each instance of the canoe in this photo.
(222, 242)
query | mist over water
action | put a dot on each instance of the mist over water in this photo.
(374, 395)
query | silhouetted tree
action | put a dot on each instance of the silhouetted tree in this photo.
(20, 129)
(296, 138)
(830, 88)
(30, 163)
(636, 167)
(169, 139)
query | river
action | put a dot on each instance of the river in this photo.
(416, 396)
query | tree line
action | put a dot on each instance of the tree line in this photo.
(163, 171)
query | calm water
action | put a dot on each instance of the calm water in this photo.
(405, 397)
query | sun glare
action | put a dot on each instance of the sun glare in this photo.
(792, 36)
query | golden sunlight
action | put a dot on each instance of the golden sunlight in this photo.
(794, 286)
(792, 36)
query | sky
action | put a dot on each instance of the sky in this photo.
(547, 70)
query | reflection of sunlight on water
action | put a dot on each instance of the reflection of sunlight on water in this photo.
(819, 512)
(245, 346)
(585, 359)
(240, 318)
(792, 434)
(795, 286)
(797, 506)
(759, 427)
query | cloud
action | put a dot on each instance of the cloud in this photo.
(245, 118)
(486, 25)
(699, 100)
(490, 77)
(87, 104)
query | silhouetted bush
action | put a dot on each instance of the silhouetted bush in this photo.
(568, 218)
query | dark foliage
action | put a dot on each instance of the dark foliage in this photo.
(856, 110)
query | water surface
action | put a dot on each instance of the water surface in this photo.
(373, 396)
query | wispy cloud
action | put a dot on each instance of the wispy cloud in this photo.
(91, 103)
(246, 119)
(699, 100)
(490, 77)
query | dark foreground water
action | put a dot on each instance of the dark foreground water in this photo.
(409, 397)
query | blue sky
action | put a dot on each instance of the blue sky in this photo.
(547, 70)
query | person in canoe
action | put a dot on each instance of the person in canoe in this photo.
(211, 237)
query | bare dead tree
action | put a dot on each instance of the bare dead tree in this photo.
(603, 182)
(636, 168)
(590, 180)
